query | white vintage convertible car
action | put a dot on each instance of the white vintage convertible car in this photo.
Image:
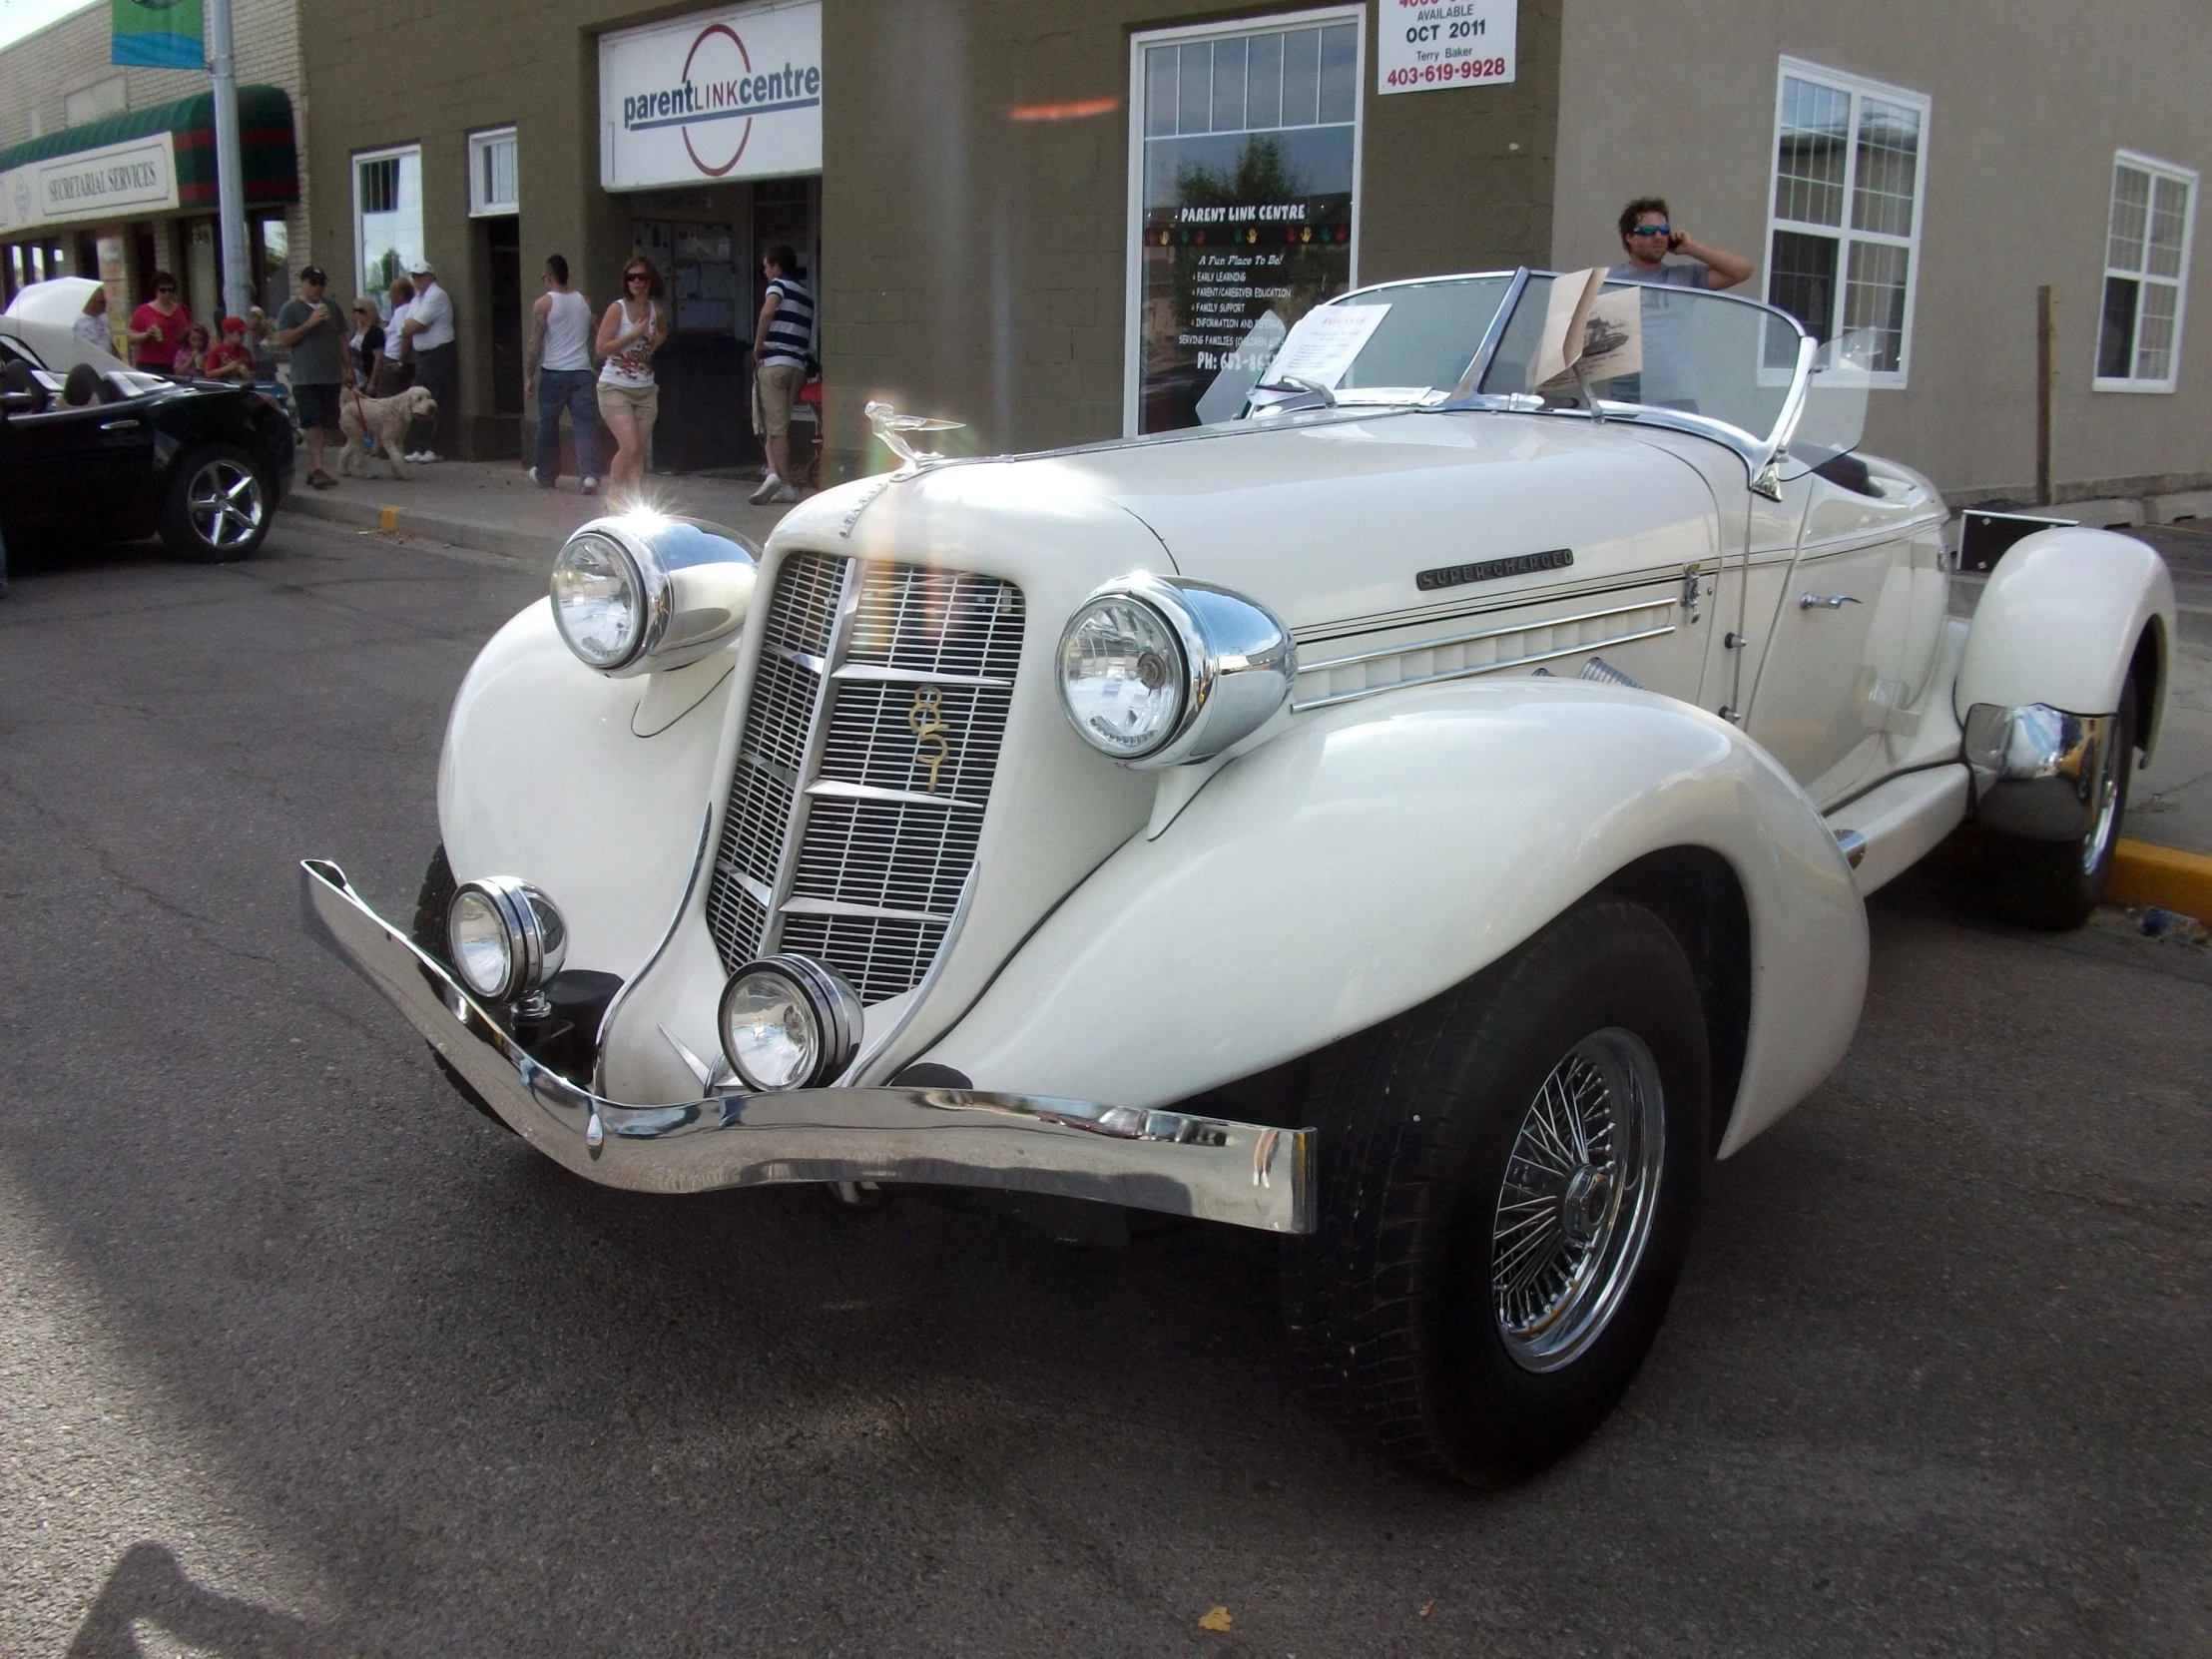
(1427, 816)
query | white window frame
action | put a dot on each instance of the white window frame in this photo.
(2186, 177)
(1859, 88)
(480, 203)
(1132, 355)
(391, 152)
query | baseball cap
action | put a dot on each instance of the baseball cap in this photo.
(313, 273)
(234, 323)
(420, 267)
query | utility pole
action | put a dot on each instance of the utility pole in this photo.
(230, 167)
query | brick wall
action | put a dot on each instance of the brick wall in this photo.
(40, 73)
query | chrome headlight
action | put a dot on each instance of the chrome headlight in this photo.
(505, 936)
(1155, 671)
(789, 1023)
(640, 591)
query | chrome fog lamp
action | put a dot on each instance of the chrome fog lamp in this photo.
(1155, 670)
(789, 1023)
(506, 940)
(640, 591)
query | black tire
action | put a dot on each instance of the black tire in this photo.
(2055, 886)
(218, 505)
(1390, 1303)
(429, 932)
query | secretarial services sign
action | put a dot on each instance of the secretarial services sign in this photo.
(717, 95)
(137, 176)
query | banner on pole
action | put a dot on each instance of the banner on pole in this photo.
(158, 33)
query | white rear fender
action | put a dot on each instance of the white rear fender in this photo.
(2059, 624)
(1371, 856)
(545, 775)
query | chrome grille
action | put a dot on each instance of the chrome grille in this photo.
(842, 840)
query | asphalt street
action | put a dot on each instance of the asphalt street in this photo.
(301, 1357)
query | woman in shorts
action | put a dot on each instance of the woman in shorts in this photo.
(634, 327)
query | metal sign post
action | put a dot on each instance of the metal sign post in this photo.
(230, 178)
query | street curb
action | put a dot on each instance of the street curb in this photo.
(362, 513)
(2163, 876)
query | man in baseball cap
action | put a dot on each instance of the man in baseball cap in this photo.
(427, 337)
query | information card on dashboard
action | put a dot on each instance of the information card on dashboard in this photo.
(1427, 45)
(1323, 344)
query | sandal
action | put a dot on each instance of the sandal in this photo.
(321, 480)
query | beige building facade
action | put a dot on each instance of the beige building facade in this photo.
(58, 82)
(1060, 221)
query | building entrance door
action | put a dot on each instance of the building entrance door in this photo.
(503, 268)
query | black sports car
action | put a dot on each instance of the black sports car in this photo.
(114, 455)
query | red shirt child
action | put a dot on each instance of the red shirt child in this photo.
(230, 360)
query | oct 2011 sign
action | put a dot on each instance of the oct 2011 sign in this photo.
(1427, 45)
(716, 95)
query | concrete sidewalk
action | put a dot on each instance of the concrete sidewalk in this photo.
(494, 507)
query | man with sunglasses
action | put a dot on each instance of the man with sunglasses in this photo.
(1649, 239)
(158, 327)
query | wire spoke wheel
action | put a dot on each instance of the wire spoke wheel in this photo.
(223, 503)
(1574, 1209)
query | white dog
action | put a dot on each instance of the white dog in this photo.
(385, 420)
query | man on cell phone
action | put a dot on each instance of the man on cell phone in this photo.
(1649, 239)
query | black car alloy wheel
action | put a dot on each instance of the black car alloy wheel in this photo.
(218, 505)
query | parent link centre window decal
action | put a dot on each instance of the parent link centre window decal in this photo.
(1248, 158)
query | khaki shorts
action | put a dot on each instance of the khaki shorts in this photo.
(640, 403)
(780, 383)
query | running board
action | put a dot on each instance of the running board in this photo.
(1896, 825)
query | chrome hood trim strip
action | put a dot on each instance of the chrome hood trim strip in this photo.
(1247, 1175)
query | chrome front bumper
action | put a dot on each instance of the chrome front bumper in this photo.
(2036, 769)
(1245, 1174)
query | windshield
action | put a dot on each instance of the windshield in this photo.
(1702, 353)
(1401, 344)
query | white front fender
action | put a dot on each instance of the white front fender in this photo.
(1374, 856)
(2060, 623)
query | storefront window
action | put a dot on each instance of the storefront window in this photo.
(387, 215)
(1243, 187)
(273, 285)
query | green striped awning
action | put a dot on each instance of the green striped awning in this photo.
(271, 158)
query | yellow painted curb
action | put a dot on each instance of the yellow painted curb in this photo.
(2163, 876)
(387, 520)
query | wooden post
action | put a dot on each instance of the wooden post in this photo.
(2046, 328)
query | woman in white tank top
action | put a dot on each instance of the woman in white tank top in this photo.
(634, 327)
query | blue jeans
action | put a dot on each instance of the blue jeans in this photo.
(570, 388)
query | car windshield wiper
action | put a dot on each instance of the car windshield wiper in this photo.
(1298, 383)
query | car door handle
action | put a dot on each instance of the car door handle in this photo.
(128, 424)
(1832, 601)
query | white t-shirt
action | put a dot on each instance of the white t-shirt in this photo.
(92, 331)
(633, 364)
(567, 333)
(435, 311)
(392, 330)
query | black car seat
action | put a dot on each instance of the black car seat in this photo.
(83, 385)
(16, 381)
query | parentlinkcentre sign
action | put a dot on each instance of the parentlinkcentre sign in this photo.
(717, 95)
(135, 177)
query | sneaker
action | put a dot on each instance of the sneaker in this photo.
(766, 492)
(787, 493)
(531, 473)
(591, 486)
(427, 456)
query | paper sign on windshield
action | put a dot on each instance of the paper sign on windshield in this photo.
(1600, 333)
(1323, 344)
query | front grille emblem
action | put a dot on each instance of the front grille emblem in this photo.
(925, 722)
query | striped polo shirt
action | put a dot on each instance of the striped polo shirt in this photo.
(790, 331)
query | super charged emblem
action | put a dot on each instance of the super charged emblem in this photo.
(925, 720)
(1491, 570)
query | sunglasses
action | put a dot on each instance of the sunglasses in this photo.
(637, 276)
(1652, 230)
(167, 287)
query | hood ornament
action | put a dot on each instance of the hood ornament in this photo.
(893, 428)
